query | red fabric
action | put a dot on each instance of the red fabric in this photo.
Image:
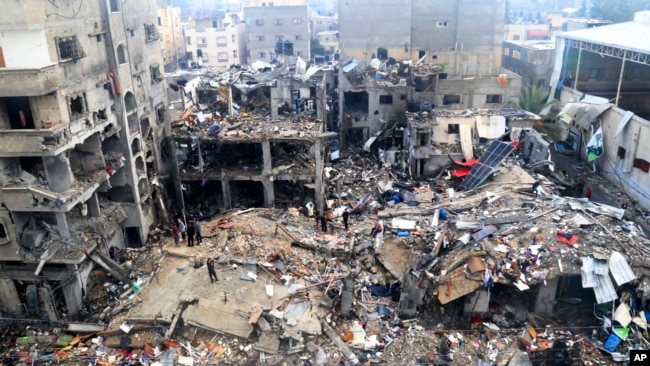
(175, 230)
(589, 192)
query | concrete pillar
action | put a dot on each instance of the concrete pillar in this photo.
(546, 297)
(276, 95)
(9, 299)
(62, 225)
(93, 206)
(225, 188)
(72, 294)
(318, 181)
(266, 158)
(269, 192)
(59, 173)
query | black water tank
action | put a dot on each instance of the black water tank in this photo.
(287, 48)
(382, 53)
(278, 47)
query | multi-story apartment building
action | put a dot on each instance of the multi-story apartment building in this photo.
(82, 117)
(269, 22)
(171, 36)
(215, 39)
(448, 54)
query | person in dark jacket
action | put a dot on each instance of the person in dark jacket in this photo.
(191, 233)
(346, 216)
(211, 271)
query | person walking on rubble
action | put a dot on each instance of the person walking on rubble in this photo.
(211, 272)
(182, 228)
(378, 229)
(197, 227)
(323, 223)
(191, 232)
(588, 193)
(346, 216)
(175, 232)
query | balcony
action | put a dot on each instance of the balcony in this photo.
(18, 82)
(50, 141)
(38, 198)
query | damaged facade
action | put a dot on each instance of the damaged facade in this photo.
(83, 116)
(453, 62)
(253, 139)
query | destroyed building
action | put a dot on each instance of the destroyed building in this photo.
(254, 139)
(600, 78)
(388, 62)
(83, 115)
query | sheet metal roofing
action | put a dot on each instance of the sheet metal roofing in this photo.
(631, 36)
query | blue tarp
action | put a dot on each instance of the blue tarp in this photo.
(350, 65)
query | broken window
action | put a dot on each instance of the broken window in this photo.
(453, 128)
(160, 21)
(493, 98)
(621, 152)
(151, 32)
(421, 53)
(222, 56)
(506, 51)
(129, 101)
(642, 164)
(260, 38)
(69, 48)
(77, 106)
(261, 54)
(199, 53)
(516, 54)
(442, 23)
(234, 53)
(160, 113)
(115, 5)
(19, 112)
(156, 75)
(451, 99)
(3, 234)
(99, 38)
(385, 99)
(121, 54)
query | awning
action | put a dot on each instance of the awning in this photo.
(583, 113)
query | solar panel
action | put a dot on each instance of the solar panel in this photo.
(487, 164)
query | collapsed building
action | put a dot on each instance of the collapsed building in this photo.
(255, 138)
(83, 116)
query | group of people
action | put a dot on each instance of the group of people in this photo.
(324, 219)
(191, 231)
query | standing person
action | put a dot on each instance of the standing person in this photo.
(197, 227)
(175, 234)
(346, 216)
(211, 271)
(317, 217)
(588, 193)
(191, 232)
(323, 223)
(182, 228)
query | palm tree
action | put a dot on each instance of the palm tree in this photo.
(534, 99)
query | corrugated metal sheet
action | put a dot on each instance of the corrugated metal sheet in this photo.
(621, 270)
(583, 113)
(601, 268)
(605, 291)
(589, 279)
(490, 127)
(350, 65)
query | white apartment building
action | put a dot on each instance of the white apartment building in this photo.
(215, 41)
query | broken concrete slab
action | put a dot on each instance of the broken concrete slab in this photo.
(228, 320)
(268, 343)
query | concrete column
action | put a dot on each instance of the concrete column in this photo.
(276, 94)
(225, 188)
(93, 206)
(318, 181)
(269, 192)
(72, 294)
(266, 157)
(59, 173)
(62, 225)
(546, 297)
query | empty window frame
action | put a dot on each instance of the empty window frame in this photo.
(69, 48)
(385, 99)
(451, 99)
